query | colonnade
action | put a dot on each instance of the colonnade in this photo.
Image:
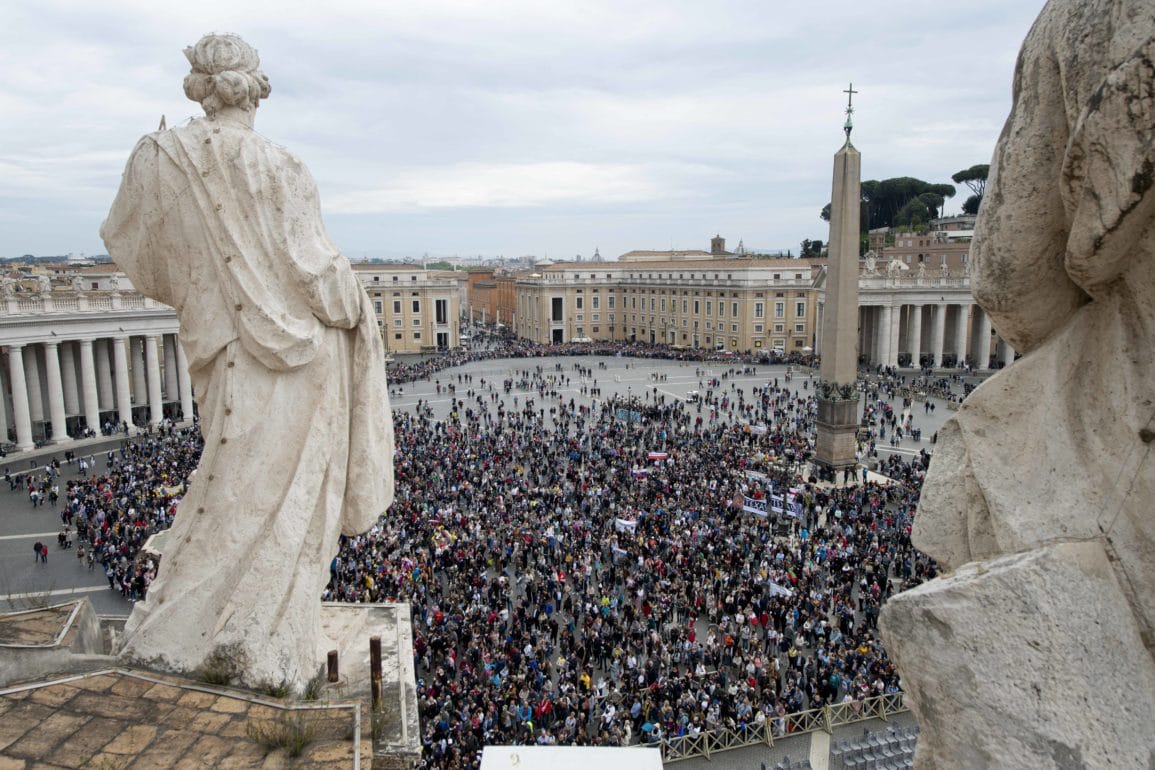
(88, 382)
(935, 331)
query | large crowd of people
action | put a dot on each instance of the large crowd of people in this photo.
(589, 571)
(590, 574)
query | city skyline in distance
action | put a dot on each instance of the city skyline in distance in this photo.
(513, 129)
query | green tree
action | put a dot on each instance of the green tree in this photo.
(883, 200)
(975, 178)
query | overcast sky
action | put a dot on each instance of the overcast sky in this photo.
(511, 128)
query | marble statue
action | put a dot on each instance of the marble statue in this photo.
(114, 283)
(77, 283)
(7, 286)
(871, 263)
(43, 285)
(288, 368)
(1036, 649)
(921, 270)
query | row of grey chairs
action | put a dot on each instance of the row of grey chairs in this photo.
(891, 749)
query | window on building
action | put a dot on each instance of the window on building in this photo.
(734, 309)
(779, 328)
(708, 308)
(799, 309)
(597, 329)
(734, 328)
(416, 321)
(441, 311)
(397, 322)
(395, 279)
(597, 302)
(779, 309)
(397, 336)
(610, 300)
(416, 335)
(759, 310)
(799, 328)
(697, 307)
(416, 306)
(580, 300)
(378, 306)
(757, 328)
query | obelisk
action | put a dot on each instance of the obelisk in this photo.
(837, 392)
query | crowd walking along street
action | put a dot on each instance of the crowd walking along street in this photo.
(598, 549)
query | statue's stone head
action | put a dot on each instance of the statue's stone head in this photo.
(225, 73)
(1070, 204)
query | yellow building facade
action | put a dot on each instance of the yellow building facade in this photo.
(417, 310)
(741, 305)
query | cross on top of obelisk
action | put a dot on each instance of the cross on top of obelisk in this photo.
(850, 92)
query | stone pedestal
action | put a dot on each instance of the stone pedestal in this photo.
(350, 626)
(1041, 653)
(835, 445)
(48, 640)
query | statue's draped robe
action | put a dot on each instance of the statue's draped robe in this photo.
(288, 369)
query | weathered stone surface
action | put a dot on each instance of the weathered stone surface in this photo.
(1057, 447)
(288, 367)
(1039, 686)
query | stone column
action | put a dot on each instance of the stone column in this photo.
(961, 324)
(35, 393)
(892, 338)
(938, 334)
(55, 392)
(186, 391)
(137, 365)
(914, 334)
(4, 410)
(123, 393)
(88, 385)
(103, 374)
(876, 335)
(152, 365)
(68, 378)
(20, 411)
(1008, 354)
(885, 337)
(170, 375)
(983, 341)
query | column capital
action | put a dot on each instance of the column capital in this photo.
(51, 343)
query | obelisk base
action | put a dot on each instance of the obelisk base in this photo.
(836, 443)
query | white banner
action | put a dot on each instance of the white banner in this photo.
(625, 525)
(756, 507)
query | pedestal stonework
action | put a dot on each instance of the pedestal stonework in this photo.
(1029, 704)
(836, 442)
(1036, 648)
